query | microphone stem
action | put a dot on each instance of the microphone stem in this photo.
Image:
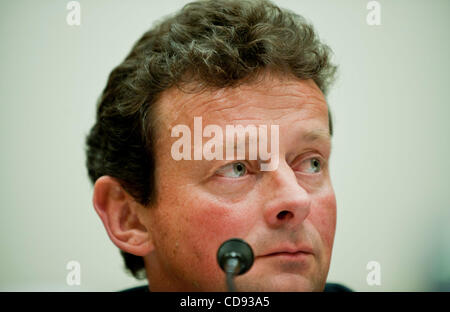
(230, 282)
(231, 268)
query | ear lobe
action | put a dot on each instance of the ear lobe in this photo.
(118, 212)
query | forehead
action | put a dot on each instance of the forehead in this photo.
(272, 99)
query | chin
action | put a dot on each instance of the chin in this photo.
(280, 283)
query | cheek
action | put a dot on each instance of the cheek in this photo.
(323, 217)
(211, 223)
(198, 224)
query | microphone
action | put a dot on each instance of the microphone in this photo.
(235, 257)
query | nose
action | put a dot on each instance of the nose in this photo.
(289, 203)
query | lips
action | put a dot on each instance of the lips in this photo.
(288, 251)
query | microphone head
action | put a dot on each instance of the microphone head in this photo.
(238, 249)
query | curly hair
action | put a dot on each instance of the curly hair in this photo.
(209, 44)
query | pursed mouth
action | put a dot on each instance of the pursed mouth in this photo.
(287, 254)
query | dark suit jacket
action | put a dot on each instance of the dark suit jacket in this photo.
(329, 287)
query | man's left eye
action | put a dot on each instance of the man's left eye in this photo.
(313, 165)
(234, 170)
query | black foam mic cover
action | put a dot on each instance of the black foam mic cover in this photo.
(237, 249)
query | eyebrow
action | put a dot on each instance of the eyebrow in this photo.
(320, 135)
(317, 135)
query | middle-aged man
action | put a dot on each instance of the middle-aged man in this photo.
(213, 65)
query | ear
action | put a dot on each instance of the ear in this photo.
(118, 211)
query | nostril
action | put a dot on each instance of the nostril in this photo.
(284, 214)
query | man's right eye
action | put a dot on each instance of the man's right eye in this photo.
(233, 170)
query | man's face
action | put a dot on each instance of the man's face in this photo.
(202, 203)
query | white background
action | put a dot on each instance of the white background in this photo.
(390, 160)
